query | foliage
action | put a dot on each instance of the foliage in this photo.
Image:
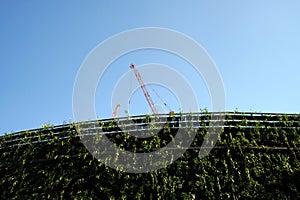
(257, 156)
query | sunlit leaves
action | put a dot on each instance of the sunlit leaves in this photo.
(52, 163)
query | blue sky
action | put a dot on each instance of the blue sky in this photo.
(254, 44)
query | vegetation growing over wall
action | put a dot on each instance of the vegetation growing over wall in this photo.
(257, 156)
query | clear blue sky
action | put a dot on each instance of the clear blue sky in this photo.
(254, 44)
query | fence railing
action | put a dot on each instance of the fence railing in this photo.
(139, 124)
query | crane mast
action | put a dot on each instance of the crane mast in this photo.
(145, 91)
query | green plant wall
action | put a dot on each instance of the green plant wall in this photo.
(257, 157)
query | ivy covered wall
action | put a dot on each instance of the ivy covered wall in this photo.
(257, 156)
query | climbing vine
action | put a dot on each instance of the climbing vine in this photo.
(257, 156)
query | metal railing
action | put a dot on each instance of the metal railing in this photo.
(142, 123)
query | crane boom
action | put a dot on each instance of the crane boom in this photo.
(145, 91)
(116, 110)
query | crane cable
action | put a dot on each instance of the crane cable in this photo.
(165, 104)
(160, 98)
(130, 87)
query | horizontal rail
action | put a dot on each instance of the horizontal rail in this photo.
(144, 123)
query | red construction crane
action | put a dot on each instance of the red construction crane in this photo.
(116, 110)
(146, 93)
